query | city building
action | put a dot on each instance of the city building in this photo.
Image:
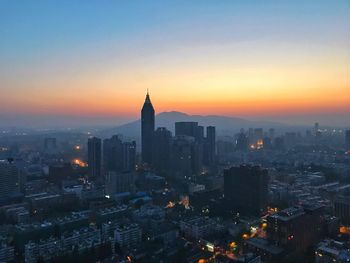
(332, 251)
(347, 139)
(119, 182)
(9, 180)
(210, 146)
(162, 149)
(128, 235)
(94, 157)
(245, 189)
(147, 130)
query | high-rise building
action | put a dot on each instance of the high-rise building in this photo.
(245, 189)
(9, 180)
(347, 139)
(147, 130)
(182, 156)
(113, 154)
(118, 156)
(129, 156)
(210, 145)
(162, 147)
(94, 157)
(242, 142)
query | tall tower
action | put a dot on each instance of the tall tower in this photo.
(94, 158)
(147, 130)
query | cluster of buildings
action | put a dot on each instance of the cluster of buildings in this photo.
(189, 195)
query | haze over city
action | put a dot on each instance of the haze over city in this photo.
(72, 64)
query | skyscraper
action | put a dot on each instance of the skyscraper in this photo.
(147, 130)
(162, 149)
(211, 144)
(94, 157)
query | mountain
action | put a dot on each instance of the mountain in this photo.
(224, 125)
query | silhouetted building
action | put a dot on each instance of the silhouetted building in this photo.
(242, 142)
(245, 189)
(113, 154)
(147, 130)
(50, 145)
(210, 145)
(162, 149)
(347, 139)
(188, 128)
(94, 157)
(129, 156)
(186, 156)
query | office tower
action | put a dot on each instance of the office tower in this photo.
(162, 147)
(245, 189)
(9, 180)
(147, 130)
(210, 147)
(187, 128)
(242, 142)
(113, 154)
(347, 139)
(129, 156)
(94, 157)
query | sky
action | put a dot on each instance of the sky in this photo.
(91, 62)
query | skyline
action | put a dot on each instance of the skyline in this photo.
(67, 63)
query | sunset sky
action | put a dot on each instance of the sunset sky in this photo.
(91, 62)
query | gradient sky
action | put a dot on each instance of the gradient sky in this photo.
(91, 62)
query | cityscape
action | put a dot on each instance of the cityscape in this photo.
(210, 162)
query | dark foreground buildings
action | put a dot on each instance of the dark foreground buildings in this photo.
(245, 189)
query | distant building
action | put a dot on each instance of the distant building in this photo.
(347, 139)
(94, 157)
(9, 180)
(242, 142)
(50, 145)
(210, 146)
(188, 128)
(147, 130)
(245, 189)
